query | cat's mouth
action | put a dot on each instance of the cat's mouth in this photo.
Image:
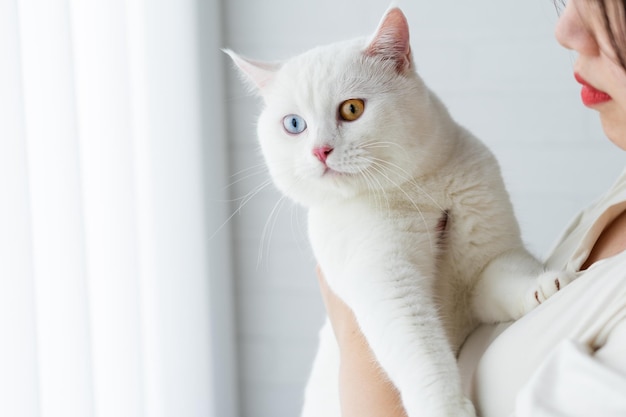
(330, 172)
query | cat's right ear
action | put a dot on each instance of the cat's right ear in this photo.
(258, 74)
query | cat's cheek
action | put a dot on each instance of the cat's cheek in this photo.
(292, 181)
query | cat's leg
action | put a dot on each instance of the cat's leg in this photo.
(321, 397)
(401, 324)
(512, 284)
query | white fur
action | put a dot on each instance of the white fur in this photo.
(374, 214)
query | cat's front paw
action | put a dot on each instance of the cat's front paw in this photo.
(546, 285)
(464, 408)
(467, 409)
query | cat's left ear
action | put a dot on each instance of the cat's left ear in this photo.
(391, 40)
(258, 74)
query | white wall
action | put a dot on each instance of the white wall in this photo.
(497, 66)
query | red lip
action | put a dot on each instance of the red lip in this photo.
(590, 95)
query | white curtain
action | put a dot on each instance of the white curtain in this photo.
(113, 299)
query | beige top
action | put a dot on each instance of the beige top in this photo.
(568, 356)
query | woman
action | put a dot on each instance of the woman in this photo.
(568, 356)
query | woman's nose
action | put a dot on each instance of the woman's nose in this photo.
(572, 31)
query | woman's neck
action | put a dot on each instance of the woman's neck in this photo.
(612, 241)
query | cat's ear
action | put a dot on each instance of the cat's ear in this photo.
(258, 74)
(391, 40)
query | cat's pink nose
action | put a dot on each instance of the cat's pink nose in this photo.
(322, 153)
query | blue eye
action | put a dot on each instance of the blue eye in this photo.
(294, 124)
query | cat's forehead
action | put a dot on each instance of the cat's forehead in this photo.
(333, 68)
(339, 53)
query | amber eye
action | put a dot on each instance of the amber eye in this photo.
(352, 109)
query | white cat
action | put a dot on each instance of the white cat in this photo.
(409, 217)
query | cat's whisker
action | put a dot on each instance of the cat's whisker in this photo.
(381, 170)
(299, 230)
(245, 199)
(262, 165)
(270, 224)
(268, 230)
(411, 181)
(408, 178)
(374, 145)
(249, 196)
(373, 192)
(245, 178)
(247, 173)
(381, 144)
(376, 191)
(368, 179)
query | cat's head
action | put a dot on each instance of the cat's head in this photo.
(344, 119)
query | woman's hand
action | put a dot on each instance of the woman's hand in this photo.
(345, 327)
(364, 389)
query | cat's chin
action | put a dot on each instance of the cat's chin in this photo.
(341, 183)
(330, 188)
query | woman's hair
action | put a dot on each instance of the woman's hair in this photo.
(613, 15)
